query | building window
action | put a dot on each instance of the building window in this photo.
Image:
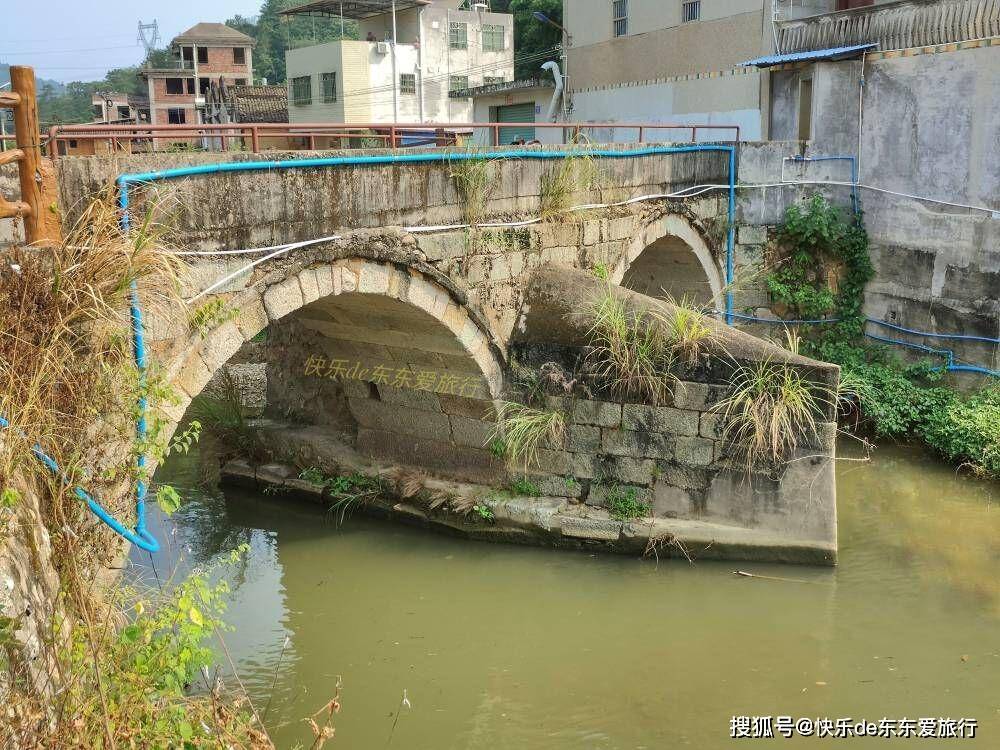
(458, 35)
(239, 81)
(72, 143)
(330, 87)
(175, 85)
(458, 83)
(691, 11)
(239, 56)
(202, 55)
(407, 83)
(98, 112)
(302, 90)
(492, 80)
(493, 37)
(619, 17)
(204, 84)
(124, 113)
(176, 116)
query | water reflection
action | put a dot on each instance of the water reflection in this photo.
(508, 647)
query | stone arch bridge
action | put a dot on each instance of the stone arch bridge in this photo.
(400, 332)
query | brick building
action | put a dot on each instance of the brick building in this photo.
(204, 53)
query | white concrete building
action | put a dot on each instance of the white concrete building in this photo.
(441, 46)
(678, 61)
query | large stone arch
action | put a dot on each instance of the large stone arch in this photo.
(670, 255)
(365, 312)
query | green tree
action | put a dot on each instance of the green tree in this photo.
(531, 36)
(275, 34)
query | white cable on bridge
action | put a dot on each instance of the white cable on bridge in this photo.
(284, 249)
(252, 250)
(873, 188)
(689, 192)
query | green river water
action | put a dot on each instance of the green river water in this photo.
(518, 647)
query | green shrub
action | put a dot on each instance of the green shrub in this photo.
(814, 239)
(968, 430)
(625, 505)
(525, 487)
(896, 400)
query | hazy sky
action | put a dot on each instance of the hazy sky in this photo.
(79, 40)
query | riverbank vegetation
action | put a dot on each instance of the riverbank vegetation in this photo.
(108, 667)
(819, 266)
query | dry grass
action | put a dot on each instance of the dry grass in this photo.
(475, 180)
(632, 354)
(69, 383)
(773, 408)
(67, 374)
(686, 328)
(523, 430)
(561, 185)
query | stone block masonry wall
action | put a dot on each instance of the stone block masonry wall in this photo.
(251, 209)
(674, 456)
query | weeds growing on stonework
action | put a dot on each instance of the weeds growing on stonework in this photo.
(524, 430)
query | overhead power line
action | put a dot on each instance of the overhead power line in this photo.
(66, 51)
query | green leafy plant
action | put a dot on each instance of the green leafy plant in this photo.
(182, 443)
(625, 505)
(210, 315)
(891, 399)
(630, 354)
(524, 487)
(346, 492)
(484, 512)
(524, 429)
(498, 448)
(813, 246)
(9, 497)
(168, 499)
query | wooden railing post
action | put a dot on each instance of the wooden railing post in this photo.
(37, 180)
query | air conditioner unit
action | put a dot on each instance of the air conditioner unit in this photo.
(382, 48)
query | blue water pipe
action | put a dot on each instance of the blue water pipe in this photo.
(855, 205)
(948, 354)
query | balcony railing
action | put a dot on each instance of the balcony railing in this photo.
(911, 23)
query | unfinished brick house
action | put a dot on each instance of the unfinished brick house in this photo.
(204, 53)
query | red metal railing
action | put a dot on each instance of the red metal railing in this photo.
(250, 136)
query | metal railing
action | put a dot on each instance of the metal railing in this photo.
(254, 136)
(901, 25)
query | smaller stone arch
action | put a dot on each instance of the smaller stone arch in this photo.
(670, 255)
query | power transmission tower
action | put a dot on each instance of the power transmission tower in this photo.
(149, 36)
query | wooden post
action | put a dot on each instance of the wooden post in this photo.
(41, 223)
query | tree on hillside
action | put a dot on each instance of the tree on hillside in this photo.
(531, 36)
(73, 102)
(275, 34)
